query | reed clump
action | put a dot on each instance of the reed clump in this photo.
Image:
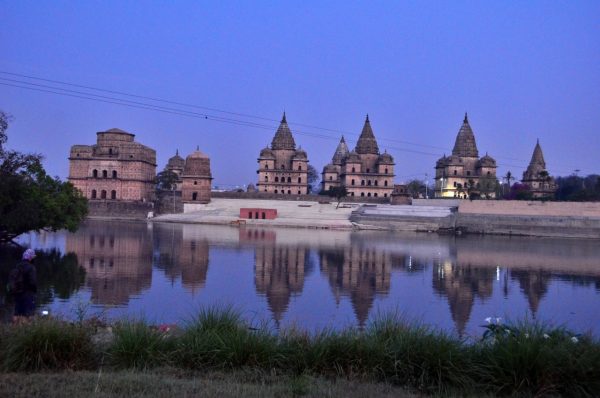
(525, 358)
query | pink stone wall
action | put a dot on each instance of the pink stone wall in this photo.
(514, 207)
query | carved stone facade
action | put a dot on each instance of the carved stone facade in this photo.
(283, 169)
(536, 176)
(115, 168)
(463, 172)
(196, 178)
(364, 171)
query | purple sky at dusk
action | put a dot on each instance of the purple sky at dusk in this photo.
(522, 70)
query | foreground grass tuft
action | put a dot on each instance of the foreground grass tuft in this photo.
(525, 359)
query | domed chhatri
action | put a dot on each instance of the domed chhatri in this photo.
(196, 178)
(536, 177)
(283, 169)
(364, 171)
(464, 174)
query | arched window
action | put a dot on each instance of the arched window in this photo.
(114, 173)
(376, 182)
(352, 183)
(289, 179)
(362, 182)
(266, 178)
(330, 178)
(353, 169)
(300, 180)
(369, 194)
(300, 168)
(276, 179)
(289, 192)
(385, 195)
(369, 182)
(386, 171)
(195, 196)
(113, 194)
(385, 183)
(488, 173)
(282, 167)
(275, 191)
(468, 172)
(95, 173)
(362, 194)
(195, 182)
(266, 166)
(375, 194)
(110, 151)
(103, 194)
(299, 193)
(351, 193)
(454, 184)
(94, 194)
(104, 173)
(454, 172)
(368, 170)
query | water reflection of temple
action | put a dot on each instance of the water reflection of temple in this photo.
(181, 257)
(533, 284)
(461, 285)
(117, 258)
(358, 272)
(279, 273)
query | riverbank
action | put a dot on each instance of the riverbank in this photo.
(528, 359)
(513, 218)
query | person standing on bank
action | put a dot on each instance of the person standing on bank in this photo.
(23, 286)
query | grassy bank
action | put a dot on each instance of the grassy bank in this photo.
(525, 359)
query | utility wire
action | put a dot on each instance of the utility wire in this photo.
(183, 112)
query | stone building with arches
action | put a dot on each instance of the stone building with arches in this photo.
(283, 169)
(116, 168)
(464, 173)
(196, 178)
(364, 171)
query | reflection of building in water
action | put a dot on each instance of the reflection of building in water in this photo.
(181, 258)
(533, 284)
(117, 259)
(278, 273)
(461, 285)
(359, 273)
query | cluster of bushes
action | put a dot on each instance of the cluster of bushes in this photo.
(525, 359)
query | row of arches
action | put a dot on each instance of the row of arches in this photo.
(95, 173)
(368, 194)
(283, 167)
(368, 183)
(289, 179)
(385, 171)
(289, 191)
(104, 194)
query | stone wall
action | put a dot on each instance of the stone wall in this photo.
(119, 209)
(530, 208)
(310, 198)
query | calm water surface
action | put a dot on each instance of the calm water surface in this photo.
(315, 278)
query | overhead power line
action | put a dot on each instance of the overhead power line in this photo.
(111, 99)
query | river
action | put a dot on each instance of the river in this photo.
(313, 278)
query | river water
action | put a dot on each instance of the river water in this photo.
(313, 278)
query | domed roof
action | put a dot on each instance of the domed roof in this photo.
(197, 164)
(353, 157)
(487, 161)
(386, 158)
(267, 153)
(330, 168)
(300, 154)
(465, 145)
(451, 160)
(367, 142)
(176, 161)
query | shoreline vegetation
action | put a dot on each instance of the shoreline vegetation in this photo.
(217, 352)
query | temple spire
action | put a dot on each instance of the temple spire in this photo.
(283, 137)
(466, 120)
(367, 144)
(283, 119)
(465, 145)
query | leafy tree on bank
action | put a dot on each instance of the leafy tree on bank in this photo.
(338, 193)
(313, 177)
(578, 189)
(166, 180)
(416, 189)
(31, 200)
(488, 185)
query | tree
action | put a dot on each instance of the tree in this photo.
(31, 200)
(416, 188)
(488, 185)
(508, 177)
(313, 176)
(339, 193)
(166, 180)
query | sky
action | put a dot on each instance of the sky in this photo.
(523, 70)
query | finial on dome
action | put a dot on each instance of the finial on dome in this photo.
(466, 118)
(283, 119)
(367, 121)
(176, 152)
(343, 140)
